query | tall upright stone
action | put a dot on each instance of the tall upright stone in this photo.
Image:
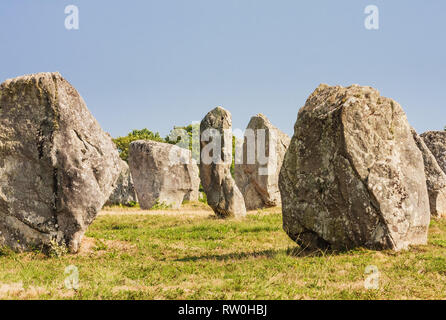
(162, 173)
(353, 175)
(194, 173)
(222, 193)
(257, 171)
(435, 178)
(436, 142)
(57, 166)
(124, 192)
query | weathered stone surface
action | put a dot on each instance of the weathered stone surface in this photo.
(257, 172)
(193, 194)
(353, 175)
(162, 173)
(222, 193)
(57, 166)
(436, 142)
(124, 191)
(435, 178)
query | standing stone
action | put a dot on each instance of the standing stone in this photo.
(124, 191)
(222, 193)
(257, 172)
(435, 178)
(162, 173)
(353, 175)
(436, 142)
(193, 194)
(57, 166)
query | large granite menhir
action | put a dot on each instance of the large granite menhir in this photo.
(162, 173)
(222, 193)
(57, 166)
(257, 171)
(353, 175)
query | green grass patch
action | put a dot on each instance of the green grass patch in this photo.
(169, 256)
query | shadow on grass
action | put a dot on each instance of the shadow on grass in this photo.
(271, 253)
(297, 252)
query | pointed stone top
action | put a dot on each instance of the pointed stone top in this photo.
(220, 110)
(261, 115)
(218, 118)
(259, 121)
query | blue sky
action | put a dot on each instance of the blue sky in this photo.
(156, 64)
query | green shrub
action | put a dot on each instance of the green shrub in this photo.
(123, 143)
(160, 206)
(132, 204)
(182, 137)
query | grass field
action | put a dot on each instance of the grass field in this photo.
(188, 254)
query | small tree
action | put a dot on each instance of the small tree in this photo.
(183, 137)
(123, 143)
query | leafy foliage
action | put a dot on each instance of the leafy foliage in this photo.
(132, 204)
(160, 206)
(123, 143)
(186, 137)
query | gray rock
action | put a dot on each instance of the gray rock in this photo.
(57, 166)
(162, 173)
(435, 178)
(436, 142)
(222, 193)
(124, 192)
(193, 194)
(257, 175)
(353, 175)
